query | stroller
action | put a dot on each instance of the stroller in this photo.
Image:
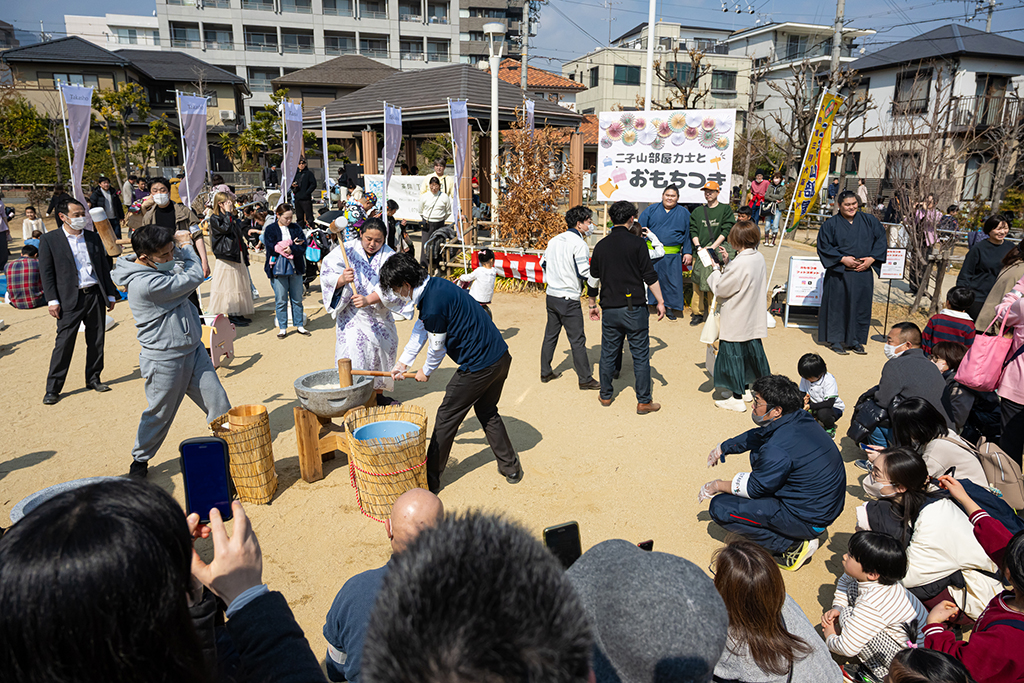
(318, 244)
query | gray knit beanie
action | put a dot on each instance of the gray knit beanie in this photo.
(657, 618)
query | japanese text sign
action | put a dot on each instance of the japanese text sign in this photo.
(806, 279)
(895, 264)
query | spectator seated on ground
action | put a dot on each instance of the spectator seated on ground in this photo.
(952, 323)
(906, 374)
(770, 638)
(345, 630)
(944, 560)
(655, 616)
(24, 284)
(797, 484)
(97, 585)
(918, 426)
(995, 651)
(975, 414)
(477, 598)
(927, 666)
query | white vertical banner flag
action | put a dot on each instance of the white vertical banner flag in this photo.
(459, 117)
(392, 141)
(327, 166)
(292, 146)
(79, 101)
(530, 104)
(192, 111)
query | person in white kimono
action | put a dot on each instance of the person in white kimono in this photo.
(365, 326)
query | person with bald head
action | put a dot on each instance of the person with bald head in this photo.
(349, 616)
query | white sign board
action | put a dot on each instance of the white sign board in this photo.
(806, 279)
(895, 265)
(640, 154)
(404, 189)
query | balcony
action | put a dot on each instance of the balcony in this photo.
(374, 10)
(261, 5)
(409, 17)
(338, 8)
(437, 57)
(217, 4)
(340, 45)
(436, 19)
(374, 52)
(183, 37)
(969, 113)
(412, 56)
(297, 6)
(261, 42)
(294, 44)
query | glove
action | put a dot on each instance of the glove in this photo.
(706, 492)
(715, 456)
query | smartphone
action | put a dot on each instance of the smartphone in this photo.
(564, 541)
(646, 545)
(204, 467)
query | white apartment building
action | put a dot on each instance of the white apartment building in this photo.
(113, 31)
(615, 76)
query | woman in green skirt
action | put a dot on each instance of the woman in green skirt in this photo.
(741, 286)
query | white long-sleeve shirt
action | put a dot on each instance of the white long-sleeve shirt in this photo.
(435, 207)
(878, 608)
(482, 289)
(566, 262)
(822, 389)
(419, 337)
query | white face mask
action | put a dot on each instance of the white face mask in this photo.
(162, 199)
(876, 489)
(77, 223)
(890, 351)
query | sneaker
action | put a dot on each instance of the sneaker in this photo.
(857, 673)
(670, 315)
(138, 469)
(747, 396)
(831, 431)
(303, 331)
(792, 560)
(696, 320)
(863, 464)
(735, 404)
(282, 334)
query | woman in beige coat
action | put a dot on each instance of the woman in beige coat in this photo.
(1010, 275)
(741, 286)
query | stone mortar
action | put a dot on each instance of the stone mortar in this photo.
(332, 402)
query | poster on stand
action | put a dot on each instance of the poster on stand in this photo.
(640, 154)
(895, 266)
(403, 189)
(806, 279)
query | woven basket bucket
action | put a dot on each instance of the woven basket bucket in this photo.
(250, 451)
(383, 469)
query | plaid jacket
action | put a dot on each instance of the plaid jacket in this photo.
(24, 286)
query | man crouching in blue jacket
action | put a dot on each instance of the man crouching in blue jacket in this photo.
(797, 483)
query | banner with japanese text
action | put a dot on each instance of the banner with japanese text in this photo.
(79, 101)
(392, 141)
(292, 146)
(402, 189)
(819, 151)
(458, 114)
(193, 135)
(530, 106)
(640, 154)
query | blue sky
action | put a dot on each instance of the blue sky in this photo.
(570, 28)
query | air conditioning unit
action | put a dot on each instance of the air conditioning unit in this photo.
(227, 115)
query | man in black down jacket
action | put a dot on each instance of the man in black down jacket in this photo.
(303, 186)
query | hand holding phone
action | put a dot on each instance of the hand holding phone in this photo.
(564, 541)
(207, 481)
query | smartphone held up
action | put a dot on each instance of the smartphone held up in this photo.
(207, 480)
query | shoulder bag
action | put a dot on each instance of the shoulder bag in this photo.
(982, 367)
(709, 333)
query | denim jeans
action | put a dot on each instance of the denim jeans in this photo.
(288, 287)
(634, 325)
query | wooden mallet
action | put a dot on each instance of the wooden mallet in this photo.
(345, 373)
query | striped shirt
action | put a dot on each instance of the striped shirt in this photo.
(949, 326)
(878, 608)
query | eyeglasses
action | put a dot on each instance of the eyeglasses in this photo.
(877, 475)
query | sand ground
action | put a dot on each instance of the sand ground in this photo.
(618, 474)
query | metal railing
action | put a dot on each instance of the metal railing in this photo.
(410, 17)
(262, 5)
(918, 105)
(217, 4)
(297, 6)
(990, 110)
(268, 44)
(372, 14)
(414, 56)
(296, 47)
(437, 57)
(338, 49)
(366, 52)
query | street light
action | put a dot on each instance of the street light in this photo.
(495, 31)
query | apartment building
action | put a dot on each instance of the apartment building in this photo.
(114, 31)
(615, 76)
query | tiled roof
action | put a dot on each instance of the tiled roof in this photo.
(589, 129)
(70, 49)
(167, 65)
(945, 41)
(536, 79)
(344, 71)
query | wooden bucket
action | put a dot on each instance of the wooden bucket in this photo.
(383, 469)
(250, 451)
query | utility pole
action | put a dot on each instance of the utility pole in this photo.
(988, 21)
(837, 43)
(525, 50)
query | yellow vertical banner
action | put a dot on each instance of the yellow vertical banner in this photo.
(819, 151)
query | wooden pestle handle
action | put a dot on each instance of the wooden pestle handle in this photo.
(380, 373)
(344, 255)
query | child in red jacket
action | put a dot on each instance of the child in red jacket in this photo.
(995, 652)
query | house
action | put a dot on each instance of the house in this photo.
(38, 69)
(540, 84)
(615, 76)
(955, 83)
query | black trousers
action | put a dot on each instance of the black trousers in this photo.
(304, 212)
(481, 391)
(92, 310)
(429, 228)
(567, 313)
(1012, 439)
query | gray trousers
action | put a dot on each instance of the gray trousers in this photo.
(567, 313)
(167, 383)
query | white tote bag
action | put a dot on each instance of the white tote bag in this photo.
(709, 334)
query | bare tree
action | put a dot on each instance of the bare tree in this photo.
(794, 120)
(683, 79)
(851, 123)
(998, 117)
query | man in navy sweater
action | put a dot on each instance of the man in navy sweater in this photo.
(456, 325)
(797, 483)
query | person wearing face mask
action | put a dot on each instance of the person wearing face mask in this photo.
(159, 278)
(75, 272)
(796, 486)
(366, 331)
(231, 286)
(566, 264)
(944, 560)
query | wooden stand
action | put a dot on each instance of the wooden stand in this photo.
(317, 438)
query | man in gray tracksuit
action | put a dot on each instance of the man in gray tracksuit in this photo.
(159, 278)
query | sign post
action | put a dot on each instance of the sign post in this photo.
(894, 268)
(804, 285)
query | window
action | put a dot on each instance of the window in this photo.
(127, 36)
(760, 62)
(911, 94)
(338, 44)
(297, 43)
(703, 44)
(411, 49)
(796, 47)
(437, 14)
(257, 41)
(851, 164)
(76, 79)
(593, 77)
(409, 11)
(297, 6)
(681, 72)
(373, 47)
(665, 43)
(723, 81)
(588, 110)
(259, 79)
(218, 37)
(626, 75)
(979, 171)
(264, 5)
(373, 10)
(900, 166)
(218, 4)
(437, 50)
(486, 13)
(338, 8)
(184, 35)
